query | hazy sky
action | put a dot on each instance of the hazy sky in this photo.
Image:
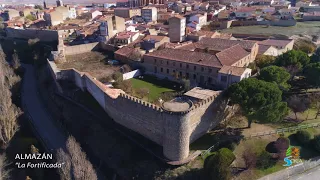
(52, 1)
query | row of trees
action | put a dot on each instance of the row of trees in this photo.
(76, 164)
(261, 99)
(9, 112)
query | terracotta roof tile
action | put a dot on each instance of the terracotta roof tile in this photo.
(154, 37)
(275, 42)
(187, 56)
(220, 44)
(232, 55)
(237, 71)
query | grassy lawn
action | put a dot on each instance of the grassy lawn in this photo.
(310, 28)
(155, 86)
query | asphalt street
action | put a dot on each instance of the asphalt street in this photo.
(312, 174)
(53, 137)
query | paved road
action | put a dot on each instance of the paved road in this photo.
(41, 120)
(52, 136)
(312, 174)
(309, 170)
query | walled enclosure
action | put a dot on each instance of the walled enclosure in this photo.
(173, 131)
(42, 35)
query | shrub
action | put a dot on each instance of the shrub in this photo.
(216, 166)
(265, 160)
(117, 76)
(303, 137)
(142, 92)
(316, 143)
(282, 144)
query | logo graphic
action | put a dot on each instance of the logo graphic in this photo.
(294, 153)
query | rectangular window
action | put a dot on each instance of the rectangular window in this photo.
(161, 61)
(167, 62)
(167, 71)
(195, 67)
(194, 76)
(180, 64)
(174, 63)
(161, 69)
(209, 80)
(187, 75)
(180, 74)
(210, 70)
(202, 69)
(187, 66)
(155, 60)
(224, 78)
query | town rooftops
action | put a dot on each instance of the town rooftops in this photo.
(233, 70)
(220, 44)
(187, 56)
(275, 42)
(205, 33)
(245, 9)
(154, 37)
(125, 35)
(232, 55)
(263, 48)
(125, 51)
(178, 16)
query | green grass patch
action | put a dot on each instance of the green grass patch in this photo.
(263, 172)
(155, 86)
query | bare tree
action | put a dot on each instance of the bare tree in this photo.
(8, 111)
(4, 172)
(298, 104)
(315, 101)
(8, 116)
(65, 170)
(15, 61)
(81, 167)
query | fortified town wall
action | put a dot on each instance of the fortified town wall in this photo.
(42, 35)
(174, 131)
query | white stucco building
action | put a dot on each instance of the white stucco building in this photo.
(200, 19)
(149, 14)
(230, 74)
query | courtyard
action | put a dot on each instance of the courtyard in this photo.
(156, 88)
(91, 62)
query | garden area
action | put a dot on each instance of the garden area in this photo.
(147, 87)
(154, 88)
(95, 63)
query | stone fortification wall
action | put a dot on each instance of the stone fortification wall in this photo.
(43, 35)
(173, 131)
(82, 48)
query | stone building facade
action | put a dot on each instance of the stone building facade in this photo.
(127, 12)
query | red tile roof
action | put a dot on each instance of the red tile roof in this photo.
(187, 56)
(220, 44)
(237, 71)
(275, 42)
(232, 55)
